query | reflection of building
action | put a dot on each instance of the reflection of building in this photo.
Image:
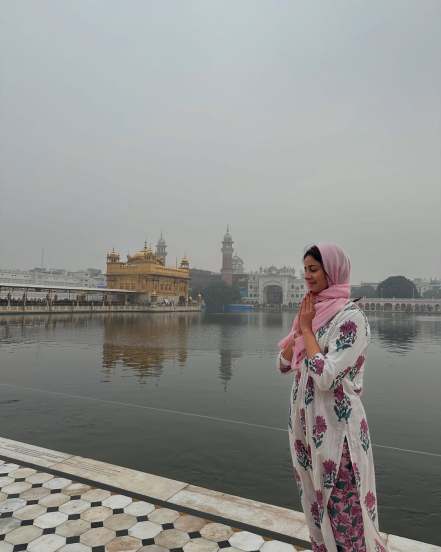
(397, 334)
(230, 347)
(146, 272)
(144, 344)
(275, 286)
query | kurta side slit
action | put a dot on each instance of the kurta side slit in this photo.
(344, 508)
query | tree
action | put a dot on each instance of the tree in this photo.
(397, 286)
(218, 294)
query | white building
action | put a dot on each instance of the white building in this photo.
(54, 277)
(275, 286)
(91, 277)
(238, 265)
(423, 285)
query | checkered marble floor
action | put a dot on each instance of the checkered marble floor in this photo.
(40, 512)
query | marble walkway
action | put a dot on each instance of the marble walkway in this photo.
(56, 502)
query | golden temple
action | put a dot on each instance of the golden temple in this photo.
(146, 273)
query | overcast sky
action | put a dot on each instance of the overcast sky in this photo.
(293, 121)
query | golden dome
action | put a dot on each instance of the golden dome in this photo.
(143, 255)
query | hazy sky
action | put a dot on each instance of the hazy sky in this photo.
(293, 121)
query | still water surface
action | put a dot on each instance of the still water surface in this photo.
(197, 398)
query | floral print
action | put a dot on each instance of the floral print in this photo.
(296, 386)
(309, 391)
(317, 508)
(303, 420)
(329, 473)
(379, 547)
(318, 547)
(350, 371)
(341, 376)
(356, 368)
(319, 430)
(323, 329)
(326, 411)
(316, 364)
(349, 328)
(348, 333)
(370, 502)
(303, 454)
(364, 435)
(344, 509)
(342, 404)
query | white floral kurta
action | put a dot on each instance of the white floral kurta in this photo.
(326, 407)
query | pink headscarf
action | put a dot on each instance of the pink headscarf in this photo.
(329, 301)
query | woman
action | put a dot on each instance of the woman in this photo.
(328, 431)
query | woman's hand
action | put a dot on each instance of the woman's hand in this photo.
(288, 350)
(307, 313)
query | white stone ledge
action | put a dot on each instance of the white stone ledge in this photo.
(262, 515)
(29, 453)
(235, 508)
(126, 479)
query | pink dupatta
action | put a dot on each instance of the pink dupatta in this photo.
(328, 302)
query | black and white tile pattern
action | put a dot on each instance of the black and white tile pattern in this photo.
(40, 512)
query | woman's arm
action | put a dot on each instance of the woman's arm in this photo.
(284, 358)
(287, 353)
(346, 349)
(306, 316)
(311, 345)
(347, 344)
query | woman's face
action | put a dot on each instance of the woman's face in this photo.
(315, 276)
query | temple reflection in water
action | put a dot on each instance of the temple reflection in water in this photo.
(399, 333)
(143, 343)
(230, 348)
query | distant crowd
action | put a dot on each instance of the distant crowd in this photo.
(81, 301)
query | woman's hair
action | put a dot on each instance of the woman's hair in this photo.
(314, 252)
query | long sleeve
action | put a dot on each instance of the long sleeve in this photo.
(283, 365)
(347, 344)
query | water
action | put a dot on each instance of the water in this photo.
(164, 393)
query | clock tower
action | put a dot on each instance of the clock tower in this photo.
(227, 258)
